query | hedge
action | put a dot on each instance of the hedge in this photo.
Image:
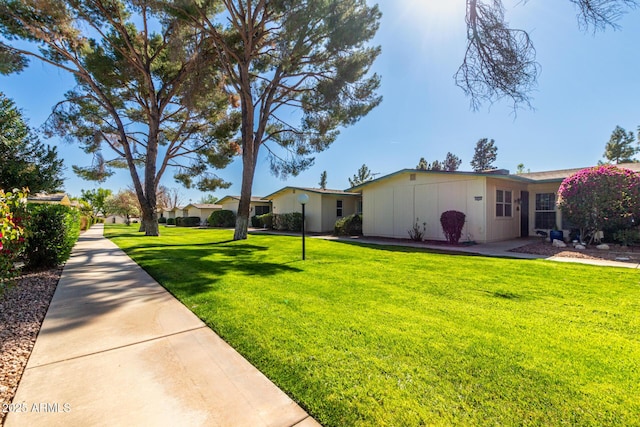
(188, 221)
(222, 218)
(53, 230)
(349, 226)
(291, 221)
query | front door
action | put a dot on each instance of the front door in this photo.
(524, 214)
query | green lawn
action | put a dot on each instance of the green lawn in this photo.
(382, 335)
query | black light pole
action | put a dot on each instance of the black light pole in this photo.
(303, 199)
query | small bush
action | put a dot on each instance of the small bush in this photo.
(171, 221)
(222, 218)
(255, 222)
(416, 233)
(188, 221)
(13, 216)
(291, 221)
(266, 220)
(53, 230)
(452, 223)
(349, 226)
(162, 220)
(627, 237)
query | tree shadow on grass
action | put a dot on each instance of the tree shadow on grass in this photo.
(196, 269)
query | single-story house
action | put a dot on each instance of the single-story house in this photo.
(498, 205)
(322, 210)
(259, 205)
(202, 210)
(173, 212)
(56, 198)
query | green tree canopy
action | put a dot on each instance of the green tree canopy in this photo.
(485, 154)
(300, 70)
(451, 162)
(363, 175)
(124, 203)
(24, 160)
(148, 89)
(323, 180)
(621, 147)
(96, 198)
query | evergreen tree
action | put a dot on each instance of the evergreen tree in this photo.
(137, 89)
(485, 154)
(620, 148)
(363, 175)
(279, 56)
(451, 163)
(323, 180)
(423, 164)
(436, 166)
(24, 160)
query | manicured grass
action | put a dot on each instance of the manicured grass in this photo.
(370, 335)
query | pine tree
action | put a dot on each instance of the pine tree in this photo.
(323, 180)
(620, 148)
(485, 154)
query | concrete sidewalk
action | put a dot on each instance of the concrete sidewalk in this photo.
(116, 349)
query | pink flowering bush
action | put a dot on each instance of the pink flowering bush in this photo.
(601, 198)
(13, 211)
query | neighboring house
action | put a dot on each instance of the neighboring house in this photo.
(202, 210)
(57, 198)
(173, 212)
(322, 211)
(259, 205)
(498, 206)
(117, 219)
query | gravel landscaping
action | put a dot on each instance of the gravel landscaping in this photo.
(22, 310)
(618, 253)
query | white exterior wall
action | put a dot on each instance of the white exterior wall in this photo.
(503, 228)
(288, 202)
(330, 209)
(390, 207)
(231, 205)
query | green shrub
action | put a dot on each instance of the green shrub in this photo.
(291, 221)
(162, 220)
(255, 222)
(349, 226)
(171, 221)
(266, 220)
(53, 230)
(222, 218)
(188, 221)
(627, 237)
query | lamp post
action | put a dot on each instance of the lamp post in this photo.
(303, 199)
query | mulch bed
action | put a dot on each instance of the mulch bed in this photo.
(22, 310)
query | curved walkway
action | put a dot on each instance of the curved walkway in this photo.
(116, 349)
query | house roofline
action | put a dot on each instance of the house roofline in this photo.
(312, 190)
(432, 172)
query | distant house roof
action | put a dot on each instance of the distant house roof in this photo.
(255, 199)
(313, 190)
(203, 206)
(559, 175)
(59, 198)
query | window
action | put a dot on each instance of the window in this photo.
(504, 204)
(545, 210)
(339, 208)
(359, 207)
(261, 210)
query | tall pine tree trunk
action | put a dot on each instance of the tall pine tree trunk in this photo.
(244, 206)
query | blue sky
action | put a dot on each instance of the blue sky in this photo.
(588, 85)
